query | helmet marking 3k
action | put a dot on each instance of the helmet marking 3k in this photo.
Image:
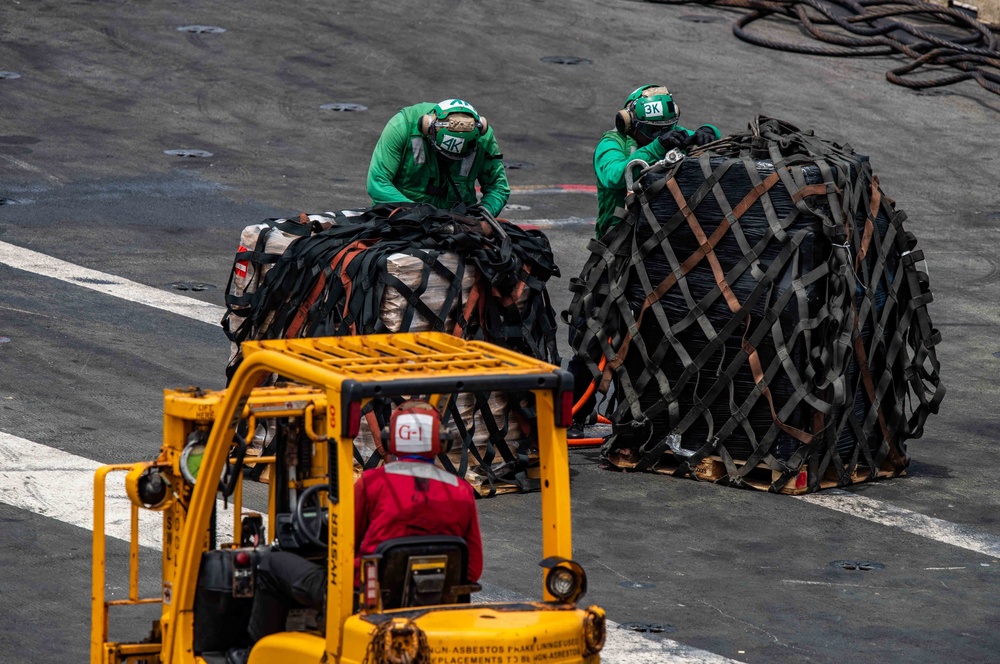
(650, 110)
(452, 128)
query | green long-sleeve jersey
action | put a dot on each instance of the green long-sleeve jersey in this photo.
(614, 151)
(405, 168)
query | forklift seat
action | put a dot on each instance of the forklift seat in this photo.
(424, 570)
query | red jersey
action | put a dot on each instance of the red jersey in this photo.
(407, 498)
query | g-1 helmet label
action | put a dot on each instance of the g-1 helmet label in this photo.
(414, 432)
(453, 144)
(653, 109)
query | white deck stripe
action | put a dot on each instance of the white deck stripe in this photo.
(625, 647)
(551, 223)
(549, 191)
(60, 485)
(47, 266)
(885, 514)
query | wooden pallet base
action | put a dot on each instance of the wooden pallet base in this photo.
(761, 477)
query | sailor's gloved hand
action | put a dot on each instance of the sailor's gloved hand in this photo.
(474, 217)
(465, 210)
(475, 210)
(675, 138)
(703, 136)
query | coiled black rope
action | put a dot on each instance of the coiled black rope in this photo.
(944, 45)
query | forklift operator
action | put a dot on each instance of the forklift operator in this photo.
(410, 496)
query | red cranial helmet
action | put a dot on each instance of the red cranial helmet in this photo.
(415, 430)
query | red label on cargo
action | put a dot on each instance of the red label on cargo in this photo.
(241, 267)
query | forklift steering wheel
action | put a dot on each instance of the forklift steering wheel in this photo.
(311, 526)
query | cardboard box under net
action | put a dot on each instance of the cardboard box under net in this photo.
(367, 274)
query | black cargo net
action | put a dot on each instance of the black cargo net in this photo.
(762, 316)
(412, 268)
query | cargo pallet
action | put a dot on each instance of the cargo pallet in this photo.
(761, 477)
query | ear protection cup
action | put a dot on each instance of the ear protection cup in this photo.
(425, 124)
(483, 125)
(623, 121)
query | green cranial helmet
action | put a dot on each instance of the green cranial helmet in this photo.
(652, 109)
(453, 127)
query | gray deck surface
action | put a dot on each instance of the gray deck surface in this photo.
(107, 86)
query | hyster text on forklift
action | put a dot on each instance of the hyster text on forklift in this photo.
(412, 604)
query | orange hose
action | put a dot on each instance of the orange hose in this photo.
(590, 390)
(589, 393)
(590, 442)
(585, 442)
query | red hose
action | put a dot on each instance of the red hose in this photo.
(584, 442)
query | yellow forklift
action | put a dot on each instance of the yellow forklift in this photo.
(412, 605)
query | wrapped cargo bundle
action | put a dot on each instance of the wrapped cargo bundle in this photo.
(761, 313)
(415, 268)
(409, 270)
(260, 247)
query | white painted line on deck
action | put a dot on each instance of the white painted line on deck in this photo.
(797, 582)
(547, 189)
(885, 514)
(60, 485)
(552, 223)
(47, 266)
(623, 647)
(32, 169)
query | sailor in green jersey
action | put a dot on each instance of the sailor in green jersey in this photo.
(645, 128)
(435, 153)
